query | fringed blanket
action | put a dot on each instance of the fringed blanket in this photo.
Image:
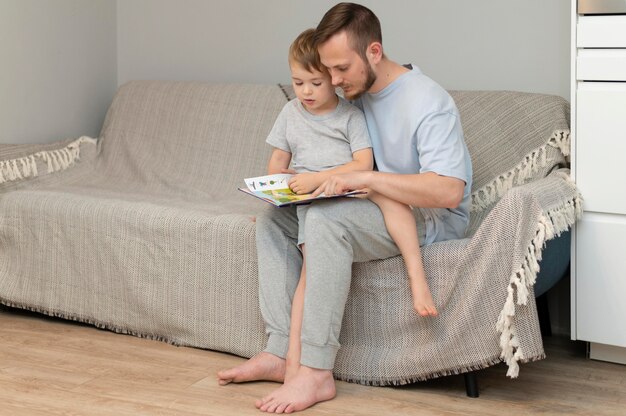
(145, 233)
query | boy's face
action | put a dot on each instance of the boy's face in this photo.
(346, 67)
(313, 89)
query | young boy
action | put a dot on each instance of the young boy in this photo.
(311, 133)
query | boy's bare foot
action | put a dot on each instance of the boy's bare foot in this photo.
(307, 387)
(422, 299)
(263, 366)
(291, 369)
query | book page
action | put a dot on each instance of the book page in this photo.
(275, 190)
(268, 182)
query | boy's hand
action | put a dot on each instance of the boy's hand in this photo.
(304, 183)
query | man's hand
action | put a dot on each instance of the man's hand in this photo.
(344, 182)
(304, 183)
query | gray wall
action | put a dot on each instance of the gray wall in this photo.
(58, 68)
(61, 60)
(480, 44)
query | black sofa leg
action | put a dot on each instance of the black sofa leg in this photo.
(544, 315)
(471, 384)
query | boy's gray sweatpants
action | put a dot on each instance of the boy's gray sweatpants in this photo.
(338, 233)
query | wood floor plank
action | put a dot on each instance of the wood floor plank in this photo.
(49, 376)
(54, 367)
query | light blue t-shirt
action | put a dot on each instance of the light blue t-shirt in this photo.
(415, 127)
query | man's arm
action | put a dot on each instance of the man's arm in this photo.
(425, 190)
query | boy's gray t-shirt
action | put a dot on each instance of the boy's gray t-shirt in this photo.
(318, 143)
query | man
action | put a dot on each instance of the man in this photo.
(422, 161)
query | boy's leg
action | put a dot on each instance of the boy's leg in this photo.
(297, 308)
(402, 227)
(280, 264)
(279, 269)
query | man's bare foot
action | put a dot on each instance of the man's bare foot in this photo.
(307, 387)
(422, 299)
(263, 366)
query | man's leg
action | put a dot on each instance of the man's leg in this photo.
(337, 234)
(279, 265)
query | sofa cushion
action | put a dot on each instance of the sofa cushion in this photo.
(146, 267)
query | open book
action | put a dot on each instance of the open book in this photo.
(274, 189)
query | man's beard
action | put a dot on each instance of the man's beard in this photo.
(370, 79)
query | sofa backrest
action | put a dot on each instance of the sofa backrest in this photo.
(208, 137)
(513, 138)
(204, 137)
(502, 127)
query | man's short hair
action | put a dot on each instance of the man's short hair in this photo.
(360, 23)
(304, 52)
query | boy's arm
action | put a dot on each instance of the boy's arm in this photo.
(279, 161)
(305, 183)
(361, 160)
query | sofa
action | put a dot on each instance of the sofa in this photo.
(142, 231)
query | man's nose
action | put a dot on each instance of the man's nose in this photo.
(336, 80)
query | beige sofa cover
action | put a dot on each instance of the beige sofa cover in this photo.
(143, 232)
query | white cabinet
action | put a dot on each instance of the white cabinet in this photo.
(601, 146)
(599, 169)
(601, 281)
(600, 31)
(601, 64)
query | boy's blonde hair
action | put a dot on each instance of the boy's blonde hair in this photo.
(304, 52)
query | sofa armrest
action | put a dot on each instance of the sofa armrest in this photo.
(25, 161)
(546, 207)
(525, 218)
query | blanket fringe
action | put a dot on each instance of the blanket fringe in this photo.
(550, 225)
(56, 160)
(394, 381)
(94, 322)
(493, 191)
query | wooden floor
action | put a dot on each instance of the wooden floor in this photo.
(54, 367)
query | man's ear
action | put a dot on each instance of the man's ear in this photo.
(375, 52)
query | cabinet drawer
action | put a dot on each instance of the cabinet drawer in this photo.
(601, 145)
(601, 32)
(601, 65)
(601, 279)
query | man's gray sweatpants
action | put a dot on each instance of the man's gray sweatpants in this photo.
(338, 233)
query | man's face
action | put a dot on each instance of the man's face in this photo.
(346, 67)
